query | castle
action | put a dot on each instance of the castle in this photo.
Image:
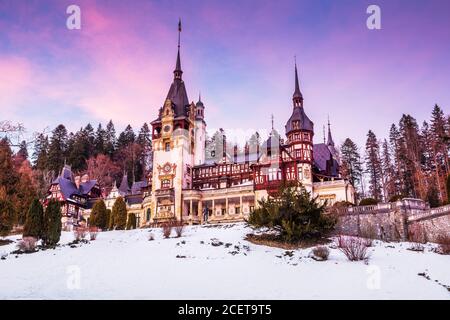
(189, 175)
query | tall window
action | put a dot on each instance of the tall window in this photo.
(167, 146)
(300, 173)
(148, 214)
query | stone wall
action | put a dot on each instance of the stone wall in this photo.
(392, 221)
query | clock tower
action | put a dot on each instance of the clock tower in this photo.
(173, 141)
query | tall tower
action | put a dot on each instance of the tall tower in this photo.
(173, 141)
(299, 133)
(200, 132)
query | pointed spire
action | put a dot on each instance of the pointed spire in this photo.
(297, 97)
(330, 141)
(272, 120)
(178, 72)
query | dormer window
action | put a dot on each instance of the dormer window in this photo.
(296, 125)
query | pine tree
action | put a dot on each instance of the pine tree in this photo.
(351, 162)
(6, 214)
(79, 151)
(373, 165)
(40, 154)
(131, 223)
(23, 151)
(9, 178)
(110, 139)
(387, 171)
(413, 180)
(26, 191)
(100, 141)
(144, 139)
(34, 223)
(440, 148)
(119, 212)
(57, 149)
(99, 216)
(52, 224)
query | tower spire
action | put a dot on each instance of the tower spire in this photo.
(297, 98)
(178, 72)
(330, 141)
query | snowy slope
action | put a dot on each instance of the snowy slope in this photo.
(125, 265)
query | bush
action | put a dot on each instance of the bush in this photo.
(34, 221)
(368, 202)
(167, 229)
(80, 233)
(354, 248)
(119, 213)
(320, 253)
(151, 237)
(27, 244)
(93, 232)
(110, 219)
(99, 215)
(179, 227)
(52, 224)
(131, 222)
(294, 214)
(369, 233)
(444, 243)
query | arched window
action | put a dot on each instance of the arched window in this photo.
(148, 214)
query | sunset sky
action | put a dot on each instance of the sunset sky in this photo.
(239, 54)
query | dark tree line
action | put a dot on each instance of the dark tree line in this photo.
(99, 152)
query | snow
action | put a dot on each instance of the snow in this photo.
(126, 265)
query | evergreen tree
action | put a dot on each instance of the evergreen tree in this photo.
(23, 151)
(57, 149)
(40, 154)
(373, 165)
(99, 215)
(100, 141)
(6, 215)
(79, 152)
(440, 148)
(110, 219)
(52, 224)
(9, 178)
(126, 137)
(387, 171)
(34, 223)
(26, 191)
(131, 223)
(90, 139)
(413, 181)
(110, 139)
(119, 213)
(351, 162)
(145, 159)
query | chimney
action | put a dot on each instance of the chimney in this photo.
(246, 151)
(235, 152)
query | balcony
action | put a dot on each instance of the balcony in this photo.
(165, 192)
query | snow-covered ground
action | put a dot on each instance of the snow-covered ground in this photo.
(126, 265)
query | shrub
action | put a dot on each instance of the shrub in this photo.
(151, 237)
(93, 232)
(27, 244)
(444, 243)
(110, 219)
(368, 202)
(80, 233)
(119, 213)
(179, 227)
(34, 221)
(294, 214)
(99, 215)
(167, 229)
(321, 253)
(354, 248)
(52, 224)
(369, 233)
(131, 222)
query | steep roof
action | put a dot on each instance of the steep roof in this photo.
(298, 114)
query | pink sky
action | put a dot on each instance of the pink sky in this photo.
(239, 54)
